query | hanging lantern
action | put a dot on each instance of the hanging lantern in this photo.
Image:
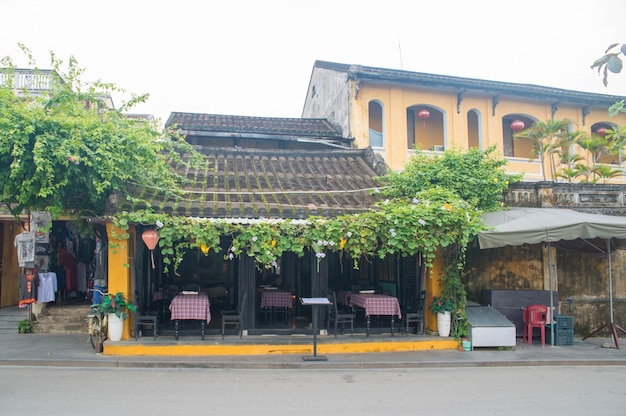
(150, 239)
(601, 131)
(423, 114)
(517, 125)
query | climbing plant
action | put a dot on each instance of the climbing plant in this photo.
(65, 150)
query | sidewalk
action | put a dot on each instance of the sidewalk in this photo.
(74, 351)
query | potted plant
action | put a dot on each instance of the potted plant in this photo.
(442, 306)
(25, 326)
(116, 307)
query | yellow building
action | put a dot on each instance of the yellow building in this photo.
(396, 112)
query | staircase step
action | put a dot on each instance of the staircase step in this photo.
(9, 317)
(67, 310)
(60, 328)
(42, 318)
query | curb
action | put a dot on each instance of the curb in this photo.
(327, 365)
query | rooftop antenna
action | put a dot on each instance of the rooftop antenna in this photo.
(399, 47)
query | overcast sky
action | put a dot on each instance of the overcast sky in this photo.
(254, 58)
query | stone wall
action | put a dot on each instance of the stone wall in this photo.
(583, 197)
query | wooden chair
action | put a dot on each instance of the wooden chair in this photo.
(148, 319)
(235, 318)
(416, 317)
(338, 318)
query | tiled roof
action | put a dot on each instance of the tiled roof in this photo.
(190, 123)
(458, 84)
(254, 183)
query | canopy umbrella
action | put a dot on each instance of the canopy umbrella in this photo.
(519, 226)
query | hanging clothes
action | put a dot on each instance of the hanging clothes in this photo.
(100, 275)
(47, 287)
(81, 276)
(101, 261)
(29, 282)
(68, 262)
(25, 243)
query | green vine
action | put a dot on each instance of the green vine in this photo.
(454, 258)
(434, 218)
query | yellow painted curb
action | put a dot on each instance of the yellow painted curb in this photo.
(130, 349)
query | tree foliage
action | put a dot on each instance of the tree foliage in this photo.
(547, 138)
(64, 150)
(611, 61)
(477, 176)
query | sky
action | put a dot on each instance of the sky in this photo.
(255, 58)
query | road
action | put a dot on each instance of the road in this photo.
(570, 391)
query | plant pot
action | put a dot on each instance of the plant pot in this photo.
(467, 345)
(443, 324)
(116, 325)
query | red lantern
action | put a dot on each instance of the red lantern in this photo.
(517, 125)
(601, 131)
(150, 238)
(423, 114)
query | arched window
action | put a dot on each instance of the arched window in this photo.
(512, 147)
(425, 128)
(473, 129)
(375, 116)
(601, 149)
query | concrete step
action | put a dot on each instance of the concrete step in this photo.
(60, 327)
(63, 319)
(9, 317)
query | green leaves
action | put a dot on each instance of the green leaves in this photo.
(436, 218)
(477, 176)
(65, 150)
(610, 61)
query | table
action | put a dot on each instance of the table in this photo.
(196, 307)
(276, 299)
(375, 304)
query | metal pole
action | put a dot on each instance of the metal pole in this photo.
(551, 300)
(608, 251)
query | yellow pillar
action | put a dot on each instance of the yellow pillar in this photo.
(119, 272)
(433, 288)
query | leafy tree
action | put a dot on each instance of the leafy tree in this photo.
(610, 61)
(569, 172)
(64, 150)
(605, 172)
(477, 176)
(547, 137)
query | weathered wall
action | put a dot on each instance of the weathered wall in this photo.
(584, 289)
(582, 280)
(510, 268)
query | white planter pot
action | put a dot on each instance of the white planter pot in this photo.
(443, 324)
(116, 325)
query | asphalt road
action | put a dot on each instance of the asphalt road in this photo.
(561, 390)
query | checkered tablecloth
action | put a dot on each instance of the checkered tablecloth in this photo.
(191, 307)
(274, 298)
(377, 304)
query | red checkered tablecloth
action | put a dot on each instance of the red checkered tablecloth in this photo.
(277, 299)
(191, 307)
(377, 304)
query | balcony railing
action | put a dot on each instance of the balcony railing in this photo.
(28, 79)
(596, 198)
